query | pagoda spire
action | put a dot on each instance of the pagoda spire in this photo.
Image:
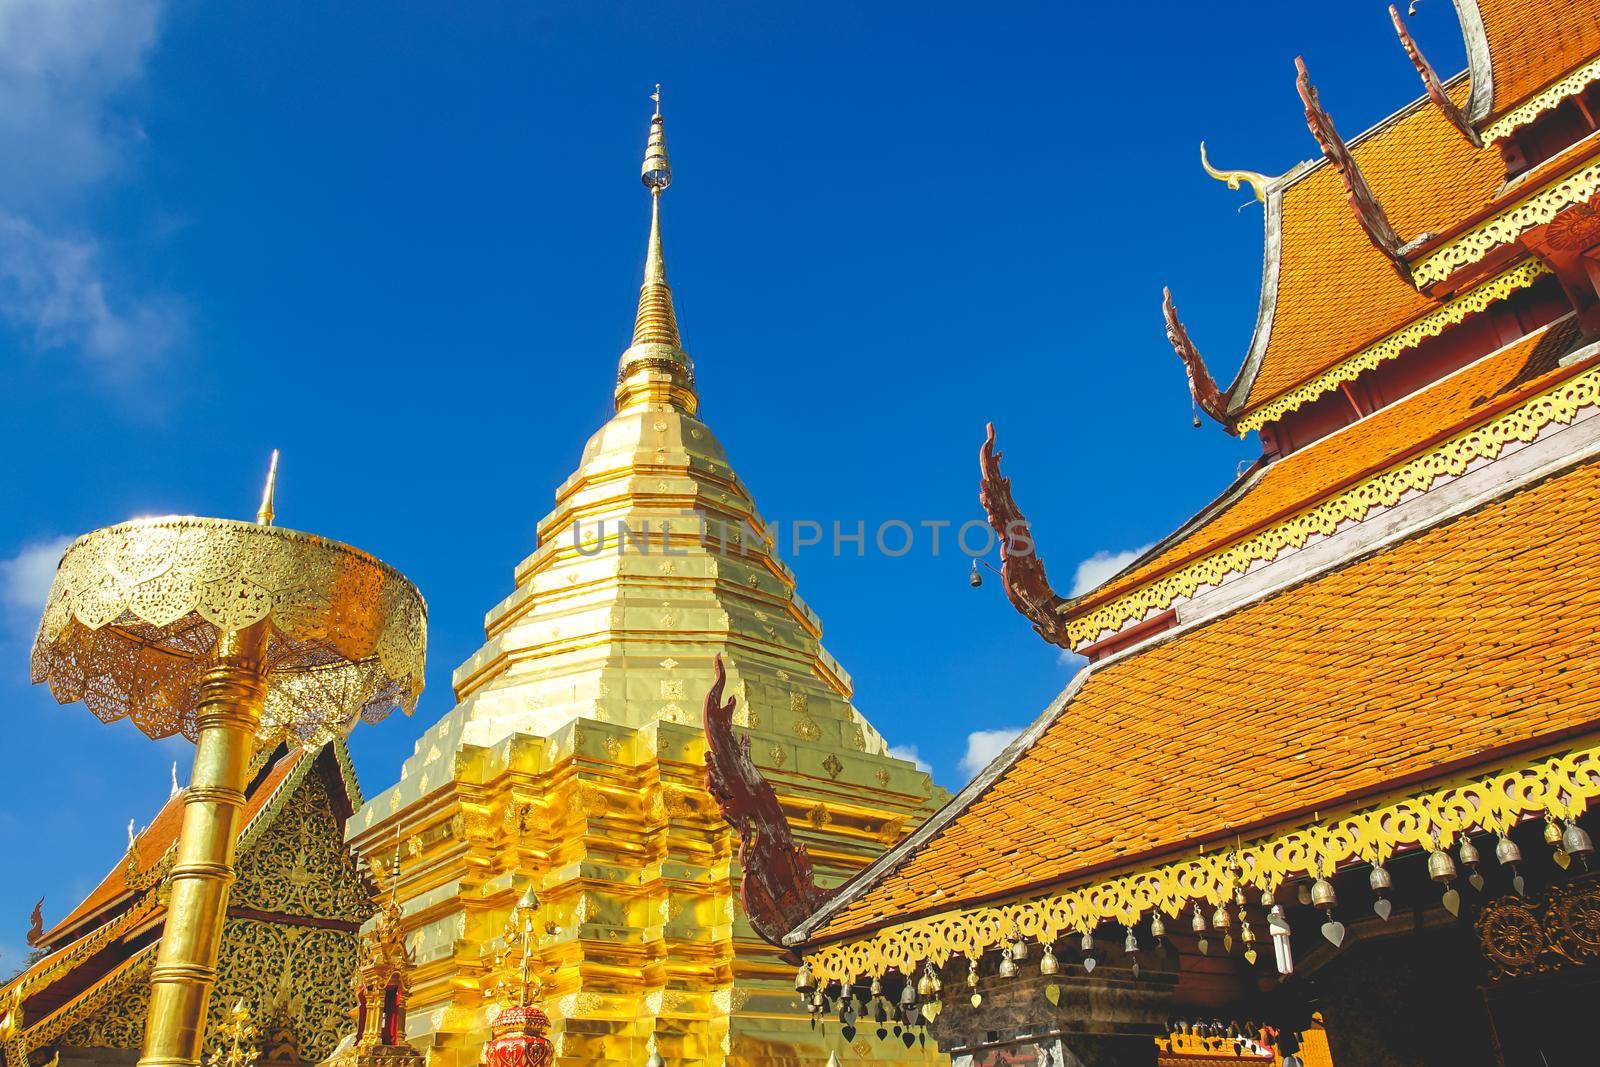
(655, 368)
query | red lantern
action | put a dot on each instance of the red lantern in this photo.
(518, 1039)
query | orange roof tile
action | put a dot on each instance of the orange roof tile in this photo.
(1290, 484)
(1532, 44)
(1429, 180)
(1445, 651)
(152, 845)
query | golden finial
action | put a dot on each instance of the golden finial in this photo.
(1257, 182)
(656, 322)
(657, 171)
(264, 514)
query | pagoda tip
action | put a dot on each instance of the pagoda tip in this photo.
(265, 514)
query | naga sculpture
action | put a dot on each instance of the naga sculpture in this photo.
(778, 890)
(1203, 388)
(1021, 570)
(1368, 211)
(36, 924)
(1431, 83)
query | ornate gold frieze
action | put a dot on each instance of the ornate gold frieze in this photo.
(1561, 785)
(1521, 935)
(1533, 210)
(1558, 404)
(1395, 344)
(1539, 103)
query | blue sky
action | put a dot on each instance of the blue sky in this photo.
(402, 243)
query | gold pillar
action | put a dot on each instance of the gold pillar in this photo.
(229, 711)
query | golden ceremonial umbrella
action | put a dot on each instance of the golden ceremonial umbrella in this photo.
(239, 636)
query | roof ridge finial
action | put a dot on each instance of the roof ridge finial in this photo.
(265, 514)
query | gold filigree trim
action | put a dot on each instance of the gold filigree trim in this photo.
(135, 611)
(1535, 210)
(1536, 105)
(1400, 341)
(1561, 785)
(94, 1003)
(1559, 404)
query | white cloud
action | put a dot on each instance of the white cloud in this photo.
(983, 746)
(909, 754)
(1072, 660)
(66, 67)
(54, 289)
(25, 579)
(1101, 566)
(64, 64)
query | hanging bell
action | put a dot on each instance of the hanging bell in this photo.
(877, 986)
(972, 973)
(1381, 883)
(924, 983)
(1552, 831)
(1008, 966)
(1442, 869)
(1158, 929)
(1131, 942)
(1087, 941)
(974, 579)
(1468, 852)
(1199, 920)
(908, 995)
(1322, 893)
(1575, 840)
(1509, 855)
(802, 978)
(1220, 919)
(1048, 963)
(1248, 936)
(1019, 950)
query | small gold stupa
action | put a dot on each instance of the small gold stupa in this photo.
(574, 761)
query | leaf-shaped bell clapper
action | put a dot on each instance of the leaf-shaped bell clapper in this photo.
(1509, 855)
(1198, 924)
(1086, 943)
(1575, 841)
(1381, 883)
(1048, 964)
(1442, 869)
(1278, 927)
(1468, 852)
(1552, 837)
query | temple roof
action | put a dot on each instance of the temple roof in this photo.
(1276, 490)
(1473, 640)
(1433, 185)
(1321, 262)
(125, 898)
(1529, 46)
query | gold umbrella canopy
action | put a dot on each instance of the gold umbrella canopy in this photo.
(133, 619)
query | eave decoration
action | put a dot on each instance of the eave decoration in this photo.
(1368, 211)
(1203, 388)
(1431, 83)
(1021, 569)
(778, 889)
(1236, 178)
(36, 924)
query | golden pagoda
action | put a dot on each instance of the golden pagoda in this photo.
(573, 763)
